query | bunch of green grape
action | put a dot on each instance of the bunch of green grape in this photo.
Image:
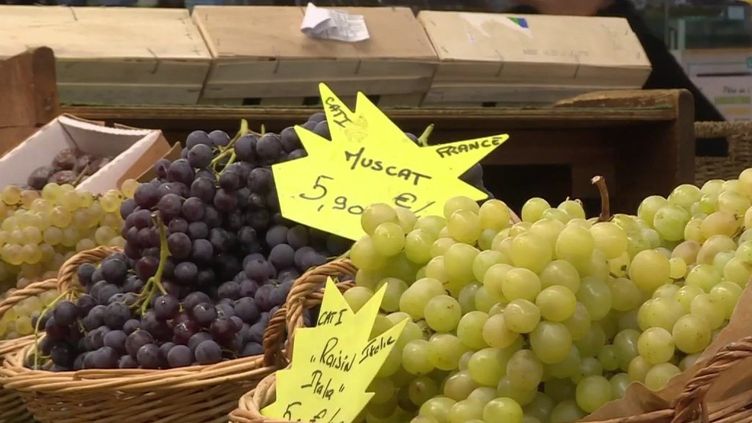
(42, 229)
(547, 319)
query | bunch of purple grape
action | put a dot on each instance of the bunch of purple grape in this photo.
(208, 259)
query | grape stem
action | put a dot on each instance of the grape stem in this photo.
(42, 313)
(155, 282)
(81, 175)
(423, 138)
(228, 152)
(600, 183)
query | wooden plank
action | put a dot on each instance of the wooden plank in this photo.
(109, 93)
(146, 71)
(476, 93)
(27, 89)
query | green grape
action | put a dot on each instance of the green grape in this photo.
(556, 214)
(482, 394)
(568, 367)
(626, 344)
(503, 245)
(733, 203)
(737, 271)
(464, 226)
(11, 195)
(560, 272)
(502, 410)
(677, 268)
(708, 204)
(574, 242)
(524, 370)
(705, 307)
(460, 203)
(376, 214)
(485, 240)
(32, 235)
(551, 342)
(365, 256)
(520, 283)
(656, 345)
(703, 276)
(609, 238)
(531, 251)
(494, 214)
(548, 229)
(649, 270)
(23, 325)
(573, 208)
(383, 390)
(659, 375)
(684, 195)
(406, 218)
(638, 369)
(592, 392)
(590, 366)
(444, 351)
(744, 182)
(85, 244)
(670, 221)
(440, 246)
(392, 294)
(521, 316)
(685, 295)
(357, 297)
(689, 361)
(649, 206)
(437, 408)
(415, 298)
(691, 333)
(721, 259)
(464, 411)
(559, 389)
(505, 389)
(608, 358)
(388, 239)
(487, 366)
(431, 224)
(466, 297)
(719, 223)
(619, 384)
(659, 312)
(470, 329)
(421, 389)
(713, 186)
(580, 323)
(533, 209)
(459, 385)
(556, 303)
(367, 279)
(465, 359)
(726, 294)
(743, 253)
(458, 260)
(540, 407)
(595, 295)
(693, 230)
(415, 357)
(484, 261)
(668, 290)
(566, 412)
(625, 295)
(496, 333)
(436, 269)
(442, 313)
(714, 245)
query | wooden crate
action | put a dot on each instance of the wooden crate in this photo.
(641, 141)
(512, 59)
(114, 55)
(262, 58)
(28, 95)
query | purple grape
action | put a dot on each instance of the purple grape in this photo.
(248, 288)
(136, 340)
(229, 181)
(208, 352)
(276, 235)
(84, 273)
(102, 358)
(260, 180)
(202, 251)
(200, 156)
(198, 230)
(94, 319)
(115, 339)
(193, 209)
(245, 148)
(282, 256)
(317, 117)
(197, 339)
(204, 189)
(259, 220)
(179, 356)
(289, 139)
(219, 138)
(148, 356)
(322, 129)
(169, 206)
(186, 273)
(297, 154)
(180, 171)
(131, 326)
(177, 226)
(251, 349)
(146, 196)
(116, 314)
(196, 138)
(212, 217)
(184, 331)
(166, 307)
(259, 270)
(179, 245)
(225, 201)
(65, 313)
(195, 298)
(146, 266)
(204, 313)
(246, 309)
(84, 304)
(127, 362)
(229, 290)
(297, 236)
(114, 271)
(62, 354)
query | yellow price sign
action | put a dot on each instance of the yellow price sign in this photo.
(370, 160)
(333, 363)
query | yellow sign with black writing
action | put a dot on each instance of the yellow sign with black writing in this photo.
(370, 160)
(333, 363)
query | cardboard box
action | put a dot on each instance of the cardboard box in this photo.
(133, 150)
(536, 48)
(260, 52)
(113, 55)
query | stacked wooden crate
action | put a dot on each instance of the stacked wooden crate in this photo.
(513, 59)
(260, 56)
(113, 55)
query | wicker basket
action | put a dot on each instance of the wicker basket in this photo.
(739, 135)
(12, 408)
(199, 394)
(689, 406)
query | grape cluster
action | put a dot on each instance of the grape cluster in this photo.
(547, 319)
(42, 229)
(19, 320)
(68, 166)
(208, 258)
